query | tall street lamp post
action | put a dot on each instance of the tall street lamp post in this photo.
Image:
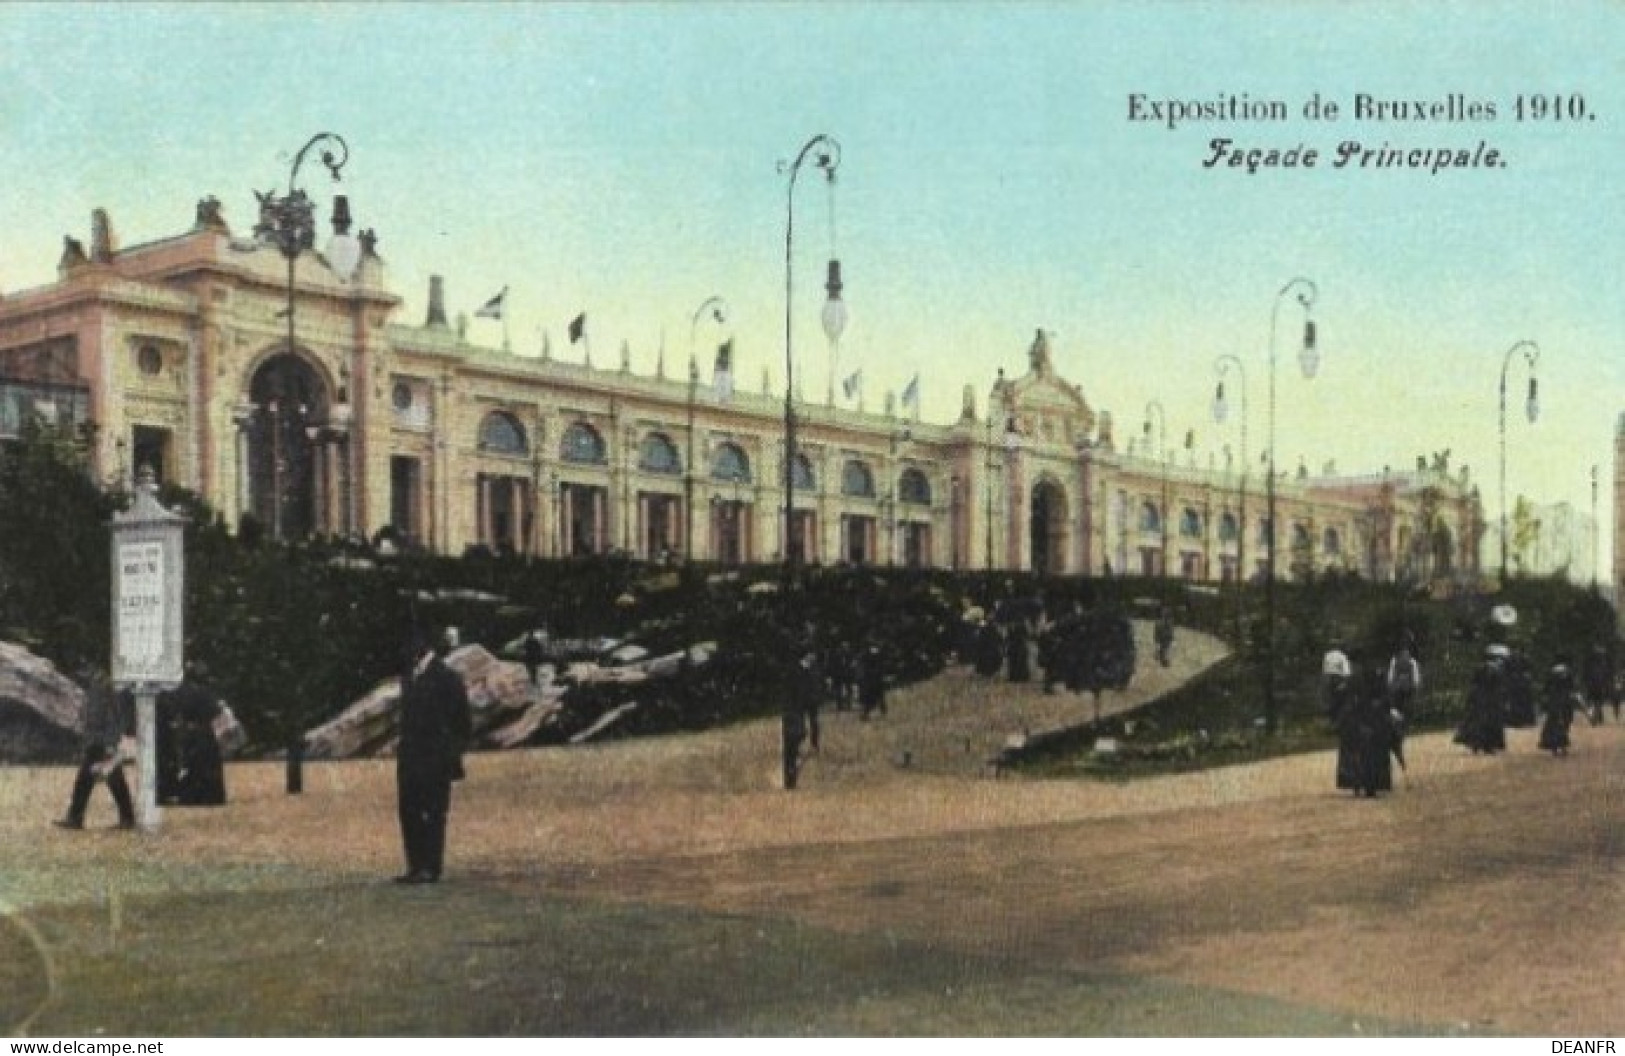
(1309, 362)
(1531, 356)
(825, 154)
(289, 223)
(718, 310)
(1221, 412)
(1162, 456)
(1596, 528)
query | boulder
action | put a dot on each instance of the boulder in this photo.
(33, 683)
(604, 722)
(518, 732)
(498, 691)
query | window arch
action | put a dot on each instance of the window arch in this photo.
(501, 434)
(805, 479)
(730, 463)
(1150, 518)
(856, 480)
(1190, 524)
(582, 444)
(1229, 529)
(913, 487)
(1332, 541)
(1300, 537)
(659, 455)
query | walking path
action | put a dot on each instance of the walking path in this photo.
(1484, 893)
(955, 723)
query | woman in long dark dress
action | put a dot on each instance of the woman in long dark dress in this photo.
(1021, 669)
(1561, 702)
(989, 650)
(1519, 691)
(1483, 727)
(1365, 737)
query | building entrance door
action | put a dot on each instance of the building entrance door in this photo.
(290, 410)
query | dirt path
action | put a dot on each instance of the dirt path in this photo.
(1485, 894)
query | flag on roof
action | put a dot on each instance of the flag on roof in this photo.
(492, 309)
(911, 393)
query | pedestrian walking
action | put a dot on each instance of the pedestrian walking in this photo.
(1365, 737)
(1334, 677)
(871, 683)
(1404, 681)
(1561, 701)
(1517, 688)
(810, 690)
(534, 653)
(792, 730)
(1020, 661)
(1599, 683)
(108, 748)
(989, 650)
(1164, 635)
(435, 726)
(191, 769)
(1483, 725)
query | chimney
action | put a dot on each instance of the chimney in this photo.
(102, 243)
(437, 302)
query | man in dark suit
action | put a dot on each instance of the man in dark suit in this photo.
(109, 724)
(435, 726)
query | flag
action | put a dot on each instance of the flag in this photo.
(578, 328)
(722, 375)
(493, 307)
(911, 393)
(853, 383)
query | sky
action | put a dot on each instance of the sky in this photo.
(624, 160)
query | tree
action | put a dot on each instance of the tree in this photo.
(1525, 532)
(55, 579)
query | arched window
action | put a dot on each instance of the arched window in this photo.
(1228, 528)
(1264, 533)
(659, 455)
(1300, 537)
(1150, 518)
(730, 463)
(1190, 524)
(582, 444)
(502, 434)
(914, 488)
(1331, 541)
(856, 480)
(805, 481)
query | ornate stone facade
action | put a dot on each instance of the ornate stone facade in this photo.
(178, 352)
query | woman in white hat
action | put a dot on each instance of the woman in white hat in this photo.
(1562, 700)
(1483, 727)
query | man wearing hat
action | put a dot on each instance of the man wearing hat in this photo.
(435, 725)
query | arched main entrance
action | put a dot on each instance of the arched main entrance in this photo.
(290, 411)
(1047, 525)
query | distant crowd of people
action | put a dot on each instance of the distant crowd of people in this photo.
(1081, 650)
(1370, 704)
